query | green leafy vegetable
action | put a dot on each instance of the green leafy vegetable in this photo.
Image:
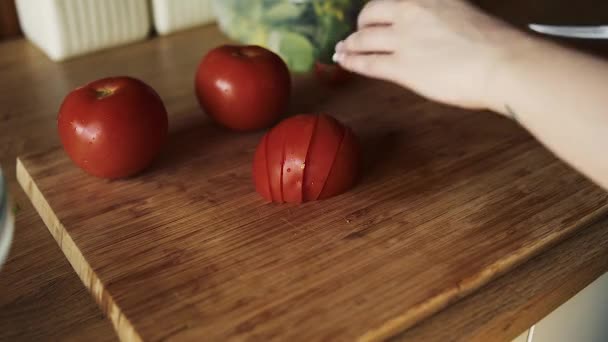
(300, 31)
(283, 11)
(295, 48)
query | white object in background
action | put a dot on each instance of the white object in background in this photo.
(7, 221)
(68, 28)
(175, 15)
(582, 318)
(526, 336)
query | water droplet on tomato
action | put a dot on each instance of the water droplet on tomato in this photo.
(288, 170)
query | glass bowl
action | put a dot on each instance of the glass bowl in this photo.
(7, 221)
(302, 32)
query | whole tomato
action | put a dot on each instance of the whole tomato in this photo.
(332, 74)
(113, 127)
(244, 88)
(306, 158)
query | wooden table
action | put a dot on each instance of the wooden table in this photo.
(41, 298)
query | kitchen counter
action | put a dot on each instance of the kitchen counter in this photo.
(41, 298)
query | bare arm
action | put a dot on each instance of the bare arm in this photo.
(451, 52)
(561, 97)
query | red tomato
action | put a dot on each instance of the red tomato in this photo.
(341, 177)
(308, 157)
(243, 87)
(332, 74)
(113, 127)
(275, 156)
(298, 133)
(323, 148)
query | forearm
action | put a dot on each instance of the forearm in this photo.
(561, 97)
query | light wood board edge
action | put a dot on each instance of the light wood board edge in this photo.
(509, 305)
(122, 325)
(474, 283)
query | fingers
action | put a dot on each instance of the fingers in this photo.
(371, 65)
(369, 51)
(369, 39)
(377, 12)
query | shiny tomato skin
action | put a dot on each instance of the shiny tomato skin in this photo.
(113, 127)
(324, 145)
(344, 170)
(244, 88)
(332, 74)
(275, 157)
(298, 133)
(309, 157)
(260, 170)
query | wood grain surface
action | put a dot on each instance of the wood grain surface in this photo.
(502, 310)
(449, 200)
(42, 299)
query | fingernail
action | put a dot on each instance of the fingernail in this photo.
(337, 57)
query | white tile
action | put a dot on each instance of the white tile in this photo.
(68, 28)
(584, 318)
(174, 15)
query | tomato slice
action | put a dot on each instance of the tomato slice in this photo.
(260, 170)
(343, 172)
(275, 156)
(298, 134)
(321, 154)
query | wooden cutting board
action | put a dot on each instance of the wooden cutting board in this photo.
(449, 199)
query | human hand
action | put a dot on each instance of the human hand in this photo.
(445, 50)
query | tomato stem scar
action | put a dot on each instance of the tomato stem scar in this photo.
(101, 93)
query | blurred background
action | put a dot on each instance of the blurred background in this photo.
(300, 32)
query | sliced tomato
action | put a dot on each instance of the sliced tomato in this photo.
(321, 154)
(305, 158)
(343, 172)
(275, 156)
(298, 133)
(260, 170)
